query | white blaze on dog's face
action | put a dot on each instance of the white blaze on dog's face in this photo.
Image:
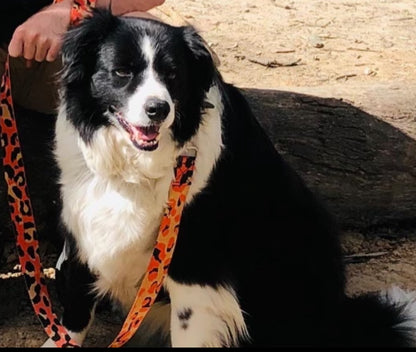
(138, 80)
(149, 111)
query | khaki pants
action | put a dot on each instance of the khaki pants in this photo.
(33, 88)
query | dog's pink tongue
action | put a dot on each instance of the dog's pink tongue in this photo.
(148, 133)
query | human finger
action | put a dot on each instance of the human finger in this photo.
(42, 47)
(53, 51)
(16, 44)
(29, 49)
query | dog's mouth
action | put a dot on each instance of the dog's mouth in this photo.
(142, 137)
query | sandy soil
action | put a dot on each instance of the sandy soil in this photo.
(339, 48)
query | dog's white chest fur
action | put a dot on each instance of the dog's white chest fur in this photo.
(114, 197)
(114, 222)
(122, 224)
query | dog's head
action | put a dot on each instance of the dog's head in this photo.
(144, 77)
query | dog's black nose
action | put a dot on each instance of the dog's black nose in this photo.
(156, 109)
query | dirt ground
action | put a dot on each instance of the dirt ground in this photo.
(345, 49)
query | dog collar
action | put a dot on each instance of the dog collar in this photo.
(27, 238)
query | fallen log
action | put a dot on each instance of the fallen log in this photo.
(361, 166)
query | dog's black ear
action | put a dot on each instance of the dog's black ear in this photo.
(80, 46)
(202, 64)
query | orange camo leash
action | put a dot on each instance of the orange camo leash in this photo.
(25, 228)
(162, 252)
(23, 220)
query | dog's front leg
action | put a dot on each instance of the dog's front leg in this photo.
(74, 282)
(205, 316)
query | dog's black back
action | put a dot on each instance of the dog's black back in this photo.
(282, 245)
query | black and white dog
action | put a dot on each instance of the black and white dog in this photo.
(258, 261)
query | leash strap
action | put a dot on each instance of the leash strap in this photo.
(22, 217)
(23, 220)
(162, 252)
(80, 10)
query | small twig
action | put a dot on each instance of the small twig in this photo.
(402, 19)
(366, 49)
(274, 63)
(346, 76)
(328, 37)
(286, 7)
(4, 276)
(285, 51)
(363, 256)
(323, 25)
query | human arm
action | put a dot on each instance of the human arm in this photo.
(40, 37)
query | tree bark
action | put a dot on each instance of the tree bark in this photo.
(362, 167)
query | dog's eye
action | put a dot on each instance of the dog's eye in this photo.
(123, 73)
(170, 74)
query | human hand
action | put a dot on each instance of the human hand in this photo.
(40, 37)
